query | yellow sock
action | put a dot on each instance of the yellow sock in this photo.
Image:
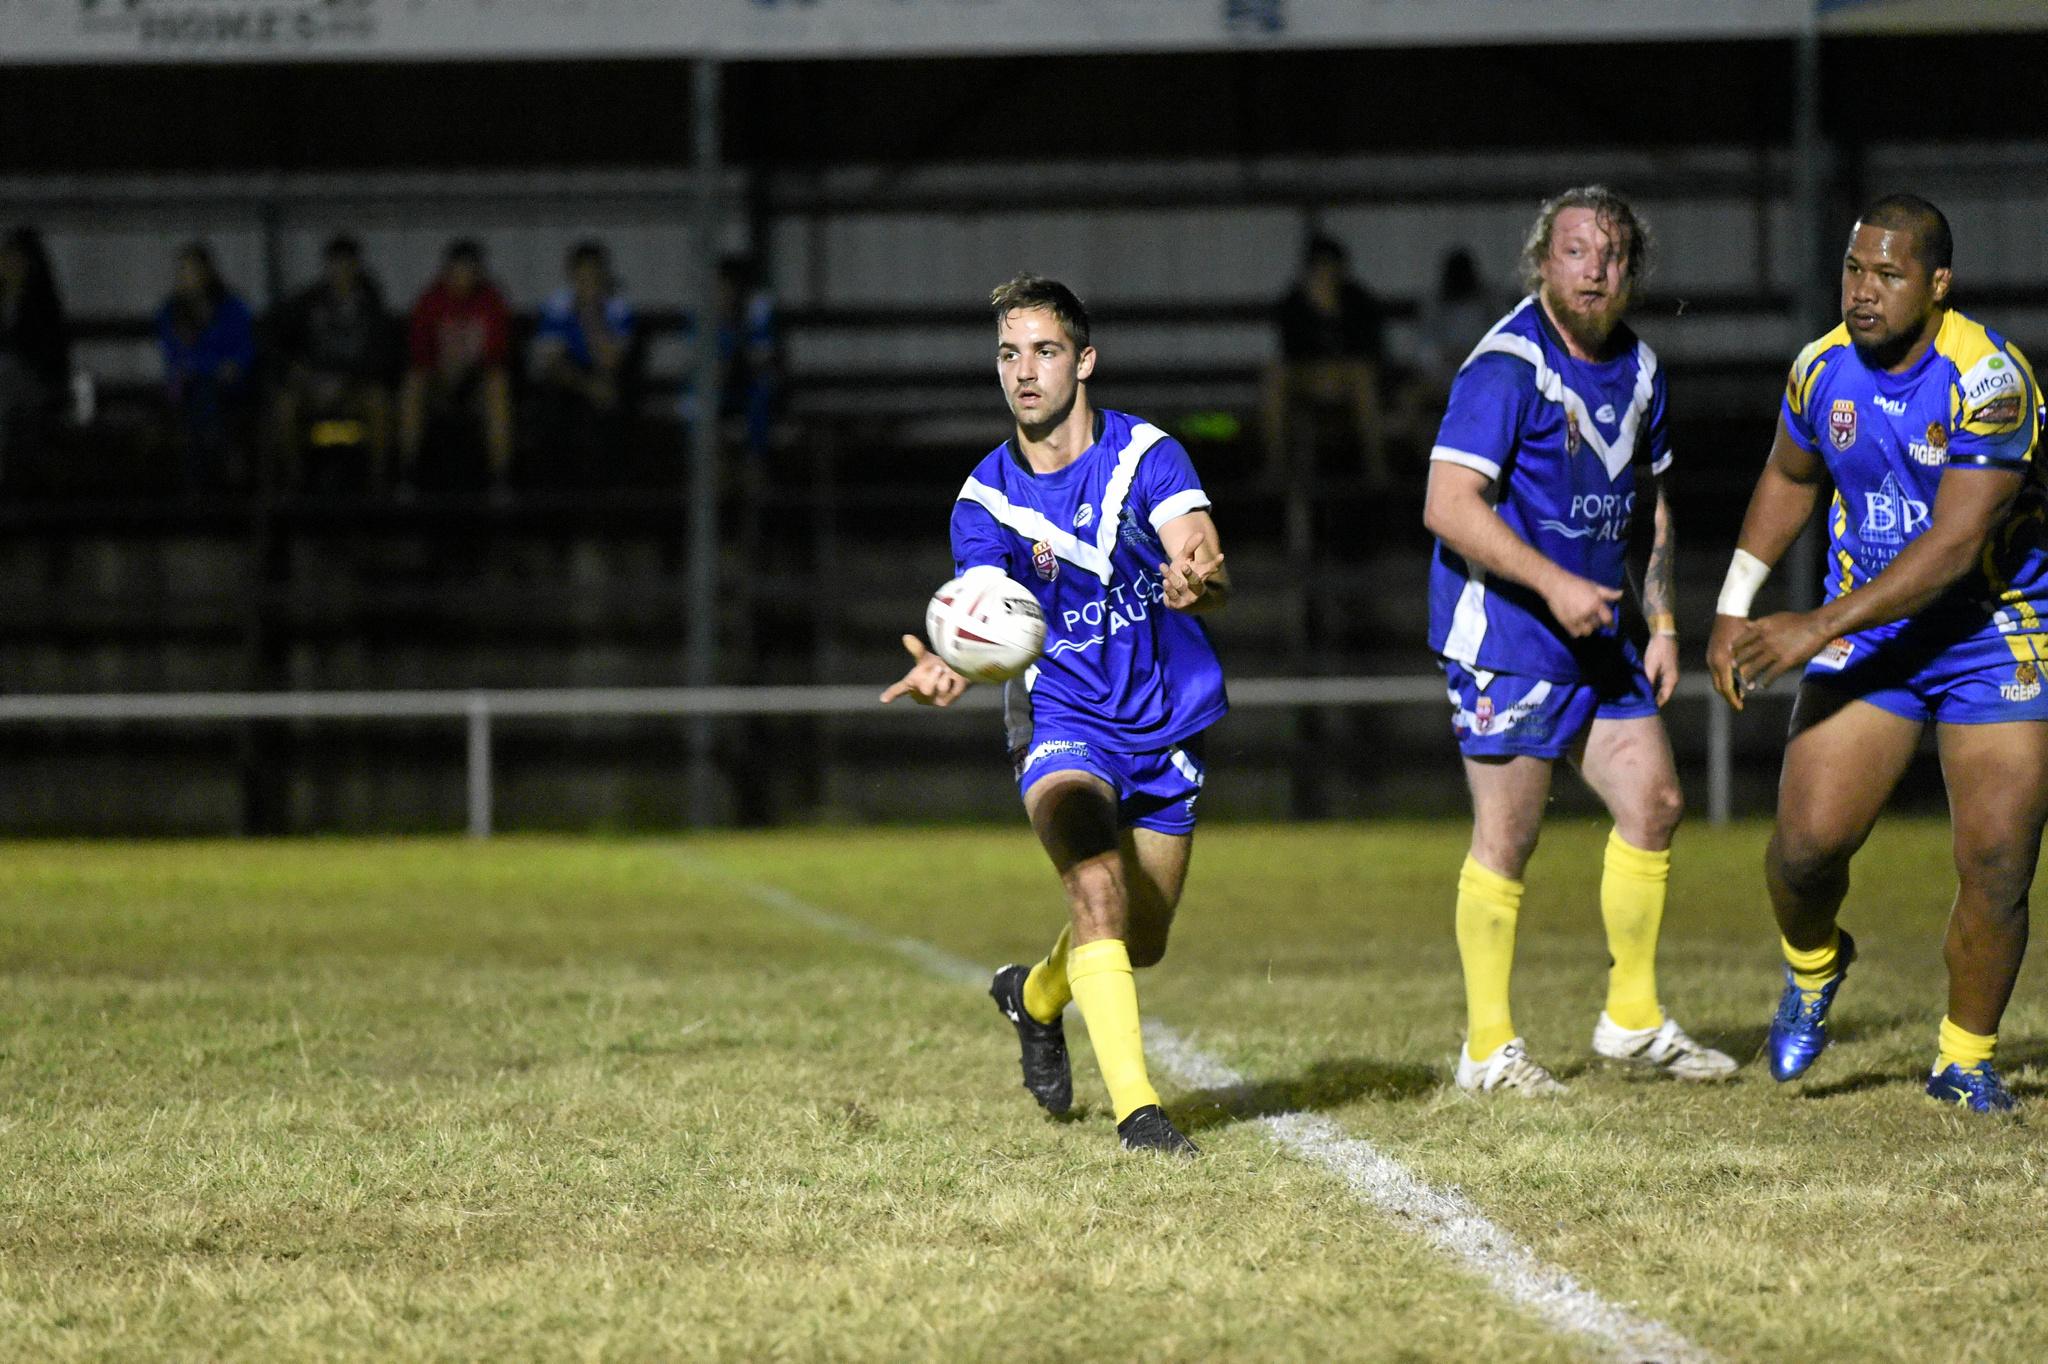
(1632, 885)
(1488, 904)
(1811, 971)
(1099, 974)
(1962, 1048)
(1046, 994)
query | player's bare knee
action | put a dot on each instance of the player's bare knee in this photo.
(1505, 852)
(1807, 863)
(1996, 875)
(1656, 818)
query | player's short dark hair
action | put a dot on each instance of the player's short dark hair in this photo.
(1934, 246)
(589, 249)
(342, 246)
(1611, 211)
(465, 248)
(1036, 291)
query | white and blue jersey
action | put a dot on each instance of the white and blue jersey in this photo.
(1121, 671)
(1564, 442)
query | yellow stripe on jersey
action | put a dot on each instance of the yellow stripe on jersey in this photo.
(1806, 369)
(1995, 392)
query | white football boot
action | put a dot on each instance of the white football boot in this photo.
(1507, 1069)
(1666, 1049)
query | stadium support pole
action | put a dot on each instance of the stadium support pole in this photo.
(1812, 284)
(701, 667)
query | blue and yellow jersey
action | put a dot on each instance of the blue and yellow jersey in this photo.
(1888, 440)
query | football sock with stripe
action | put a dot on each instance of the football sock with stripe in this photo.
(1046, 993)
(1488, 904)
(1960, 1047)
(1099, 973)
(1632, 887)
(1811, 971)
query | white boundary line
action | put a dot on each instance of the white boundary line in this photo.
(1450, 1220)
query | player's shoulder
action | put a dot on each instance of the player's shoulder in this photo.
(991, 472)
(1994, 388)
(559, 304)
(1131, 438)
(1986, 364)
(1815, 360)
(1514, 350)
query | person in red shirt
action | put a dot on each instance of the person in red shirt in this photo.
(461, 341)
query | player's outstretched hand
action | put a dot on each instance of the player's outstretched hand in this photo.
(929, 682)
(1186, 579)
(1775, 645)
(1581, 605)
(1660, 665)
(1727, 680)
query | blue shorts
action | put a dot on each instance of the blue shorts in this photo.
(1506, 715)
(1154, 790)
(1908, 684)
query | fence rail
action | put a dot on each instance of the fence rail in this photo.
(479, 708)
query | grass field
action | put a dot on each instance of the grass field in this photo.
(580, 1099)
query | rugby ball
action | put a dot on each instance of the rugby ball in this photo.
(986, 626)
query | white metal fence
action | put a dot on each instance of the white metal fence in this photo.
(478, 709)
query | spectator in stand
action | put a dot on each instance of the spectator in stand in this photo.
(583, 357)
(35, 354)
(208, 340)
(335, 341)
(749, 351)
(1462, 308)
(461, 345)
(1330, 340)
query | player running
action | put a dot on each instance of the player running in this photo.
(1926, 424)
(1553, 446)
(1102, 515)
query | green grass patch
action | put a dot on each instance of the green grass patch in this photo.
(580, 1099)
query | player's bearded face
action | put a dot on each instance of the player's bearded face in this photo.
(1585, 276)
(1888, 297)
(1040, 368)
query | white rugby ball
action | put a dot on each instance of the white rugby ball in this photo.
(985, 625)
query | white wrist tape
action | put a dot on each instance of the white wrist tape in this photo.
(1746, 573)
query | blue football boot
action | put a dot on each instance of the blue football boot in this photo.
(1976, 1088)
(1799, 1031)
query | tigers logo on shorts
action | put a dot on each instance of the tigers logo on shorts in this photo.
(1045, 561)
(2025, 684)
(1842, 423)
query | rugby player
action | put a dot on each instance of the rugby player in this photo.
(1548, 467)
(1102, 516)
(1926, 425)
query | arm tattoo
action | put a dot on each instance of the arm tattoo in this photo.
(1660, 593)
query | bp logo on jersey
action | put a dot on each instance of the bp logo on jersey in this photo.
(1891, 515)
(1842, 423)
(1045, 561)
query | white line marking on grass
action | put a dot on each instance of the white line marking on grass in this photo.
(1446, 1217)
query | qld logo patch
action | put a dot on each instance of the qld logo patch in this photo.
(1842, 423)
(1044, 561)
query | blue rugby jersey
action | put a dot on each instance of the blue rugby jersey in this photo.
(1120, 669)
(1562, 439)
(1971, 402)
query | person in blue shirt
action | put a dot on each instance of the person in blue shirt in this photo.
(1926, 424)
(207, 338)
(1548, 466)
(583, 349)
(1102, 516)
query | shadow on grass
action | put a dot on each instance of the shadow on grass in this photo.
(1324, 1085)
(1852, 1084)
